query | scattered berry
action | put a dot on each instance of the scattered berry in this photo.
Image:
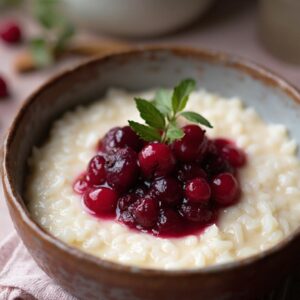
(235, 156)
(225, 189)
(190, 171)
(197, 190)
(156, 159)
(3, 88)
(101, 201)
(10, 32)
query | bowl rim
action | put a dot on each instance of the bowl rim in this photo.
(17, 202)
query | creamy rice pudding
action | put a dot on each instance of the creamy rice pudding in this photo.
(267, 212)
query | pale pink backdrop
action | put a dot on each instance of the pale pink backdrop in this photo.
(231, 27)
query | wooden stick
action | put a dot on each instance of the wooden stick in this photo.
(24, 62)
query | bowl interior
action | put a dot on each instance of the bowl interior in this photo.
(138, 70)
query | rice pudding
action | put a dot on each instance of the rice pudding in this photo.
(267, 212)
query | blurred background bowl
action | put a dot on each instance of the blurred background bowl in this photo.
(134, 18)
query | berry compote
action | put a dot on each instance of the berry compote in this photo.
(165, 190)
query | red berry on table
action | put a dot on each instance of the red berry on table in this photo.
(156, 159)
(168, 190)
(236, 157)
(146, 212)
(121, 168)
(120, 137)
(3, 88)
(10, 32)
(197, 190)
(225, 189)
(192, 146)
(101, 201)
(96, 173)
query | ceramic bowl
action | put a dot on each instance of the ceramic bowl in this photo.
(88, 277)
(134, 18)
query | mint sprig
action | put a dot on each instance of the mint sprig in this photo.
(161, 114)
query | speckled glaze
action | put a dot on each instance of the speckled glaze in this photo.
(88, 277)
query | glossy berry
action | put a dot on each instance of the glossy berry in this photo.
(220, 143)
(125, 201)
(81, 184)
(156, 159)
(225, 189)
(189, 171)
(197, 190)
(196, 213)
(3, 88)
(120, 137)
(146, 212)
(170, 222)
(121, 168)
(168, 190)
(192, 146)
(235, 156)
(101, 201)
(10, 33)
(96, 173)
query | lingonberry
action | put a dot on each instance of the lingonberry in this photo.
(197, 190)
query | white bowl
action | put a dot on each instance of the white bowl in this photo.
(134, 18)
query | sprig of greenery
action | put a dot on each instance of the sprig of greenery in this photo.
(56, 32)
(161, 114)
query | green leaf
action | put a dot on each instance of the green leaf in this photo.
(65, 34)
(147, 133)
(181, 94)
(41, 52)
(163, 101)
(46, 13)
(150, 113)
(196, 118)
(174, 133)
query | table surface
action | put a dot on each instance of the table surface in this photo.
(231, 26)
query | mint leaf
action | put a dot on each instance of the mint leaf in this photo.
(163, 101)
(150, 113)
(174, 133)
(147, 133)
(196, 118)
(181, 94)
(41, 52)
(63, 38)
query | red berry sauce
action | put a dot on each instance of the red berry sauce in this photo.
(10, 32)
(164, 190)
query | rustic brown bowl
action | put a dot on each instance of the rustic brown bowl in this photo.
(88, 277)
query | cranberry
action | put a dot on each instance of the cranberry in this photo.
(127, 218)
(101, 201)
(121, 168)
(225, 189)
(120, 137)
(168, 190)
(196, 212)
(3, 88)
(214, 164)
(10, 33)
(169, 222)
(235, 156)
(192, 146)
(81, 184)
(189, 171)
(96, 173)
(156, 159)
(125, 201)
(220, 143)
(197, 190)
(146, 212)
